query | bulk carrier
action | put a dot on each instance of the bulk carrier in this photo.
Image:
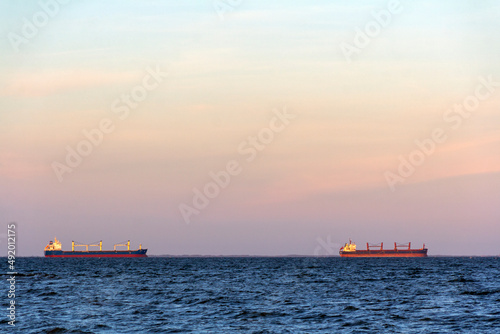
(54, 249)
(399, 250)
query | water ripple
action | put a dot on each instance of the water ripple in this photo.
(257, 295)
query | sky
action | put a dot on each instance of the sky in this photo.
(251, 127)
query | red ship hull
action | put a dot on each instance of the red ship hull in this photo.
(99, 255)
(110, 253)
(385, 253)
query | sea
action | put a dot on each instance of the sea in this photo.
(254, 295)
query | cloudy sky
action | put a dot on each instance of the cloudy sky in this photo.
(327, 120)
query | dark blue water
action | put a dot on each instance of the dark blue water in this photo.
(256, 295)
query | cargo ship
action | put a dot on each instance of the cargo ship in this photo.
(399, 250)
(54, 249)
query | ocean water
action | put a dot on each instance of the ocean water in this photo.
(255, 295)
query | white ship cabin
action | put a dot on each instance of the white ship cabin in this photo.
(350, 247)
(56, 245)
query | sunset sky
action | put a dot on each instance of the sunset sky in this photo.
(211, 83)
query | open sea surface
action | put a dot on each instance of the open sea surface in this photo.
(255, 295)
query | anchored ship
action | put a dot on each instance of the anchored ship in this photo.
(399, 250)
(54, 249)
